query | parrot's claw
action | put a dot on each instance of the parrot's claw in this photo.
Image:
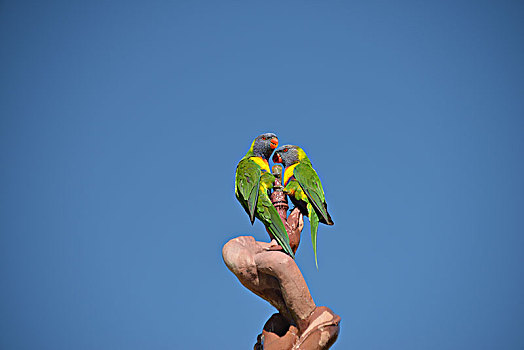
(274, 246)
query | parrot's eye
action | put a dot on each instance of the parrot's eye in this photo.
(264, 138)
(284, 150)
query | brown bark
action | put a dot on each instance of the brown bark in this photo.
(276, 278)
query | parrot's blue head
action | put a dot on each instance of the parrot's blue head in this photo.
(288, 155)
(264, 145)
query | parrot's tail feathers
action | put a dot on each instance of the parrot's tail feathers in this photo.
(278, 231)
(314, 220)
(252, 214)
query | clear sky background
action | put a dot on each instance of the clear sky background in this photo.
(122, 123)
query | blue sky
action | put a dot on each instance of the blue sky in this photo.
(122, 123)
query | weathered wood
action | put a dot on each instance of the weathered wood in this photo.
(264, 269)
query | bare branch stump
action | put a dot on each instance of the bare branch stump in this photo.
(275, 277)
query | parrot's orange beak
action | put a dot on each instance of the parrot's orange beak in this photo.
(277, 158)
(274, 143)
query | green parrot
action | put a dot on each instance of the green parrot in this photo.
(303, 186)
(253, 180)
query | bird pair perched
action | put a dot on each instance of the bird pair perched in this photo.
(254, 180)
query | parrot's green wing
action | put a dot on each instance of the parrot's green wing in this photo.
(247, 183)
(309, 181)
(251, 192)
(269, 216)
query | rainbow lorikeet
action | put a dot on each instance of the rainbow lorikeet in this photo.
(253, 181)
(302, 184)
